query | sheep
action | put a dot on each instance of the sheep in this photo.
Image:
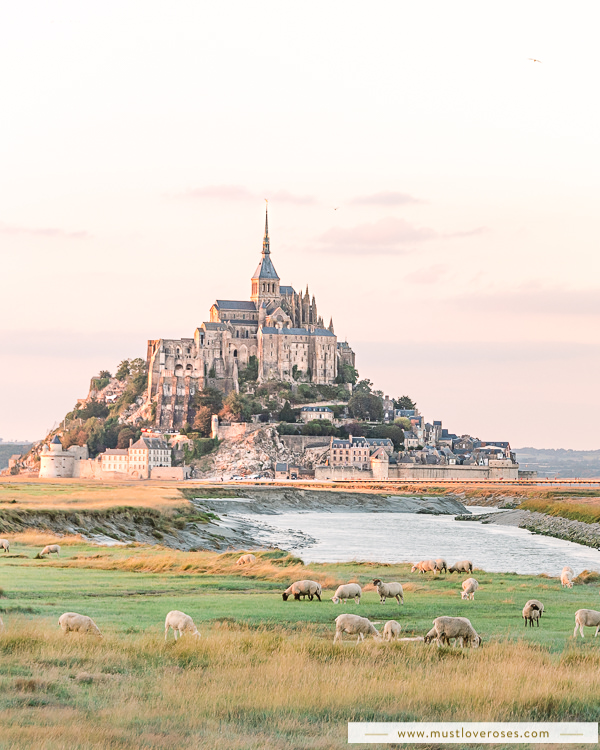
(303, 588)
(347, 591)
(5, 545)
(536, 603)
(432, 635)
(568, 569)
(441, 565)
(181, 623)
(49, 549)
(73, 622)
(246, 559)
(391, 630)
(391, 590)
(469, 587)
(462, 566)
(425, 566)
(531, 613)
(456, 627)
(566, 578)
(354, 625)
(1, 625)
(586, 617)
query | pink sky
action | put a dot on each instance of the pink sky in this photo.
(140, 141)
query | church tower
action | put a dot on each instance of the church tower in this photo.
(265, 282)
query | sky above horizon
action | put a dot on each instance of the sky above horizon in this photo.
(436, 189)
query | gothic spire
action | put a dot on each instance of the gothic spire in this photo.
(266, 249)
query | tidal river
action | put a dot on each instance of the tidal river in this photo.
(409, 537)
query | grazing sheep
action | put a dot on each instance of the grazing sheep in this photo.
(462, 566)
(531, 613)
(568, 569)
(303, 588)
(412, 639)
(391, 630)
(456, 627)
(246, 560)
(469, 587)
(347, 591)
(354, 625)
(181, 623)
(391, 590)
(425, 566)
(431, 636)
(441, 565)
(566, 578)
(49, 549)
(536, 603)
(588, 618)
(5, 545)
(72, 622)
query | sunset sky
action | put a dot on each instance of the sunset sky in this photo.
(139, 141)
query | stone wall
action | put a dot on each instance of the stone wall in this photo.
(298, 443)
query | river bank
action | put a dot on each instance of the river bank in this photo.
(587, 534)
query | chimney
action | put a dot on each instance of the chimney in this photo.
(130, 442)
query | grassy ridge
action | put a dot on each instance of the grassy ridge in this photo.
(582, 507)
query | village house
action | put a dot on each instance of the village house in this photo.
(308, 413)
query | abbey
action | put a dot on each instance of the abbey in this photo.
(277, 325)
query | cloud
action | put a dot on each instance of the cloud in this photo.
(240, 193)
(532, 299)
(385, 198)
(388, 236)
(49, 232)
(427, 275)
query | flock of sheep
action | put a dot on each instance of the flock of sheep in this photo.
(445, 629)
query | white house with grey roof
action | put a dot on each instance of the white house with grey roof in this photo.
(277, 325)
(309, 413)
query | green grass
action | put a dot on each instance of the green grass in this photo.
(265, 673)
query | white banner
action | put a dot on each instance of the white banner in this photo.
(483, 732)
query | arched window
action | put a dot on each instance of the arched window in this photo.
(235, 352)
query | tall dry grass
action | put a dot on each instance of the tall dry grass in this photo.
(36, 538)
(238, 688)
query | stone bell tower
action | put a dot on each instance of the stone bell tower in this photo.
(265, 281)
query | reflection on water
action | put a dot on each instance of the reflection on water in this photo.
(408, 537)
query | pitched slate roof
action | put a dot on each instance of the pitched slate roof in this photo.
(234, 304)
(287, 290)
(316, 408)
(154, 444)
(265, 269)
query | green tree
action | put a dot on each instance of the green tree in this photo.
(210, 398)
(365, 406)
(403, 422)
(202, 421)
(250, 372)
(125, 435)
(123, 370)
(236, 408)
(346, 373)
(287, 413)
(104, 374)
(363, 386)
(404, 402)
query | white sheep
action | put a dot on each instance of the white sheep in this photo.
(246, 559)
(531, 614)
(75, 623)
(354, 625)
(456, 627)
(586, 617)
(462, 566)
(566, 578)
(425, 566)
(536, 603)
(303, 588)
(441, 565)
(49, 549)
(181, 623)
(5, 545)
(347, 591)
(391, 630)
(392, 590)
(469, 587)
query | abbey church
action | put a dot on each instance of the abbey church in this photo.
(277, 325)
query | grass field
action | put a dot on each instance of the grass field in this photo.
(265, 673)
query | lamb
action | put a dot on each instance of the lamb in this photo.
(354, 625)
(246, 559)
(586, 617)
(531, 613)
(566, 577)
(424, 566)
(462, 566)
(347, 591)
(303, 588)
(72, 622)
(456, 627)
(391, 630)
(5, 545)
(180, 622)
(469, 587)
(391, 590)
(536, 603)
(49, 549)
(441, 565)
